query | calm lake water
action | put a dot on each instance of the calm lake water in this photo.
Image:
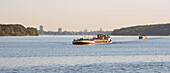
(56, 54)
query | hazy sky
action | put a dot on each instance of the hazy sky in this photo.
(74, 15)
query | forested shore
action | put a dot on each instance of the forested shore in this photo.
(155, 30)
(17, 30)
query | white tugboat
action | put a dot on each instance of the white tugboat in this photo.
(100, 39)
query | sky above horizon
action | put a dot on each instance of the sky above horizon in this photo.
(76, 15)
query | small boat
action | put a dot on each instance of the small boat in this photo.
(142, 37)
(100, 39)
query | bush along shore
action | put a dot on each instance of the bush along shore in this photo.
(17, 30)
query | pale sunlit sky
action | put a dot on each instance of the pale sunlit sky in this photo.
(75, 15)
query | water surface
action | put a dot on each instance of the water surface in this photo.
(57, 54)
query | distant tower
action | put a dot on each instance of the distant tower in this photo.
(100, 29)
(41, 31)
(59, 30)
(41, 28)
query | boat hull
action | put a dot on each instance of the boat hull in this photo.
(89, 42)
(83, 42)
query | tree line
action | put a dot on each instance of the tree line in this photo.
(17, 30)
(156, 29)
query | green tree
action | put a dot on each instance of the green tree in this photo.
(11, 29)
(7, 30)
(0, 30)
(3, 33)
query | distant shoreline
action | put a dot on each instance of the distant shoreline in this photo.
(95, 35)
(149, 30)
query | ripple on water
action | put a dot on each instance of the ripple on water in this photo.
(142, 67)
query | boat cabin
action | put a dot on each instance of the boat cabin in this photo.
(102, 36)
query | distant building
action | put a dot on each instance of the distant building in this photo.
(59, 30)
(100, 29)
(41, 28)
(41, 31)
(85, 31)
